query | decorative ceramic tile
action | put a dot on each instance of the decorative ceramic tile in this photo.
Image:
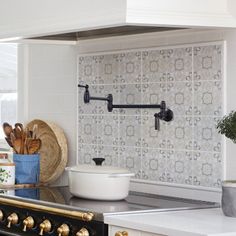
(207, 169)
(206, 136)
(208, 98)
(86, 153)
(87, 129)
(130, 158)
(154, 66)
(207, 62)
(179, 98)
(179, 133)
(88, 69)
(179, 167)
(130, 94)
(130, 131)
(152, 138)
(179, 65)
(110, 154)
(93, 107)
(153, 93)
(108, 130)
(109, 69)
(130, 67)
(153, 164)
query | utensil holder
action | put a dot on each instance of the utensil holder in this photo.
(27, 168)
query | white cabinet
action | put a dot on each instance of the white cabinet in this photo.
(121, 231)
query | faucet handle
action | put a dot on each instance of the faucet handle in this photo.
(157, 122)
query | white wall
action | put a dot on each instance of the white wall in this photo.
(47, 88)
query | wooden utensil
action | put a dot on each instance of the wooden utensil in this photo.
(7, 129)
(16, 143)
(33, 145)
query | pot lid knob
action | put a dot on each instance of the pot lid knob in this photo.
(98, 161)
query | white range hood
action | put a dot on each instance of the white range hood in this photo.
(27, 18)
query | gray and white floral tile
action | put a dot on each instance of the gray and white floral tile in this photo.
(152, 138)
(86, 153)
(207, 169)
(179, 133)
(130, 132)
(207, 62)
(152, 93)
(154, 66)
(130, 94)
(179, 65)
(130, 158)
(179, 167)
(153, 164)
(109, 69)
(208, 99)
(87, 129)
(206, 136)
(179, 98)
(108, 130)
(110, 154)
(130, 67)
(88, 69)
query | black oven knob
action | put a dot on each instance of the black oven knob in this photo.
(12, 220)
(63, 230)
(83, 232)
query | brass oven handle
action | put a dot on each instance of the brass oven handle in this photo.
(122, 233)
(83, 232)
(12, 220)
(85, 216)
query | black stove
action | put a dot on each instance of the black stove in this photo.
(54, 211)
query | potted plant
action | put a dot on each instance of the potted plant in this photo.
(227, 127)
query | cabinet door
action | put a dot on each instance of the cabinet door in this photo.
(114, 229)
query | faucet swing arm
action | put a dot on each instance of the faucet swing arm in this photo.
(164, 114)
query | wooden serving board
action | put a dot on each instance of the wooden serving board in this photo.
(53, 151)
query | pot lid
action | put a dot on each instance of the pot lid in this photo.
(99, 169)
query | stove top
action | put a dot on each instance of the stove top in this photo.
(59, 197)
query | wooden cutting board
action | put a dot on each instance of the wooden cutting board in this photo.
(53, 151)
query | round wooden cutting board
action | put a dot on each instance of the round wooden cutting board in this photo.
(53, 151)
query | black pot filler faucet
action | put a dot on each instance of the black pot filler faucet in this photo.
(164, 114)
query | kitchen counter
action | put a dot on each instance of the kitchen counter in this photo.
(204, 222)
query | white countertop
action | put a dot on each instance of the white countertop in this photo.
(204, 222)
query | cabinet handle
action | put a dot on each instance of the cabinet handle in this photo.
(123, 233)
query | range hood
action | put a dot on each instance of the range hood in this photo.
(79, 19)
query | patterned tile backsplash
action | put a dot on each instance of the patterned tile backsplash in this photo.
(189, 78)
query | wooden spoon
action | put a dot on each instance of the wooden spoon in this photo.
(7, 129)
(16, 143)
(33, 145)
